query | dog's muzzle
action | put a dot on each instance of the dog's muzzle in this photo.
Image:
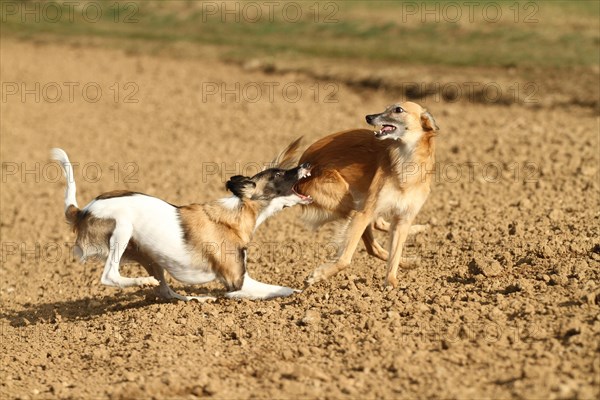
(371, 119)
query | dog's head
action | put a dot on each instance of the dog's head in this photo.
(270, 184)
(403, 121)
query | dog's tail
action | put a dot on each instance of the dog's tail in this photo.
(71, 207)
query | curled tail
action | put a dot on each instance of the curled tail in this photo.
(71, 208)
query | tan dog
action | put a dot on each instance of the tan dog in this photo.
(361, 176)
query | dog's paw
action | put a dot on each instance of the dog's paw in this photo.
(414, 229)
(391, 283)
(286, 291)
(410, 262)
(268, 292)
(148, 281)
(200, 299)
(381, 225)
(312, 279)
(320, 274)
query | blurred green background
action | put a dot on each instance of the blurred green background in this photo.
(557, 34)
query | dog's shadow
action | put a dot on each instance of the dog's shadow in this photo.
(89, 308)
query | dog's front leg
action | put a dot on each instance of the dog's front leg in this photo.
(248, 288)
(256, 290)
(400, 229)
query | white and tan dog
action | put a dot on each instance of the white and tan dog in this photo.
(360, 176)
(196, 243)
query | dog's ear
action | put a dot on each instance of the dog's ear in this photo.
(428, 122)
(240, 186)
(287, 158)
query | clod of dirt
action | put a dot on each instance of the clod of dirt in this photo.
(556, 215)
(311, 317)
(572, 328)
(525, 204)
(515, 228)
(592, 298)
(485, 267)
(211, 388)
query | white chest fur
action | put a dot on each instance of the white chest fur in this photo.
(402, 203)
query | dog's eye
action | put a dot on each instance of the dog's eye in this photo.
(278, 174)
(398, 110)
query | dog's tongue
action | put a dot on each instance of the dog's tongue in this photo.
(385, 129)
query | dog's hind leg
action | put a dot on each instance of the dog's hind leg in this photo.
(382, 225)
(372, 246)
(163, 291)
(118, 244)
(360, 222)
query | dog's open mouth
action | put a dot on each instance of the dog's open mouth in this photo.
(385, 130)
(304, 198)
(304, 173)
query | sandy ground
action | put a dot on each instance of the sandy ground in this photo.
(505, 304)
